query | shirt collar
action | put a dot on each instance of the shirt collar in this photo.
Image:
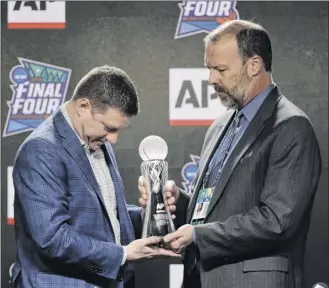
(249, 111)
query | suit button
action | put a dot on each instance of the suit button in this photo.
(119, 278)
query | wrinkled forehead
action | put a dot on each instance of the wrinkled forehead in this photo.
(223, 52)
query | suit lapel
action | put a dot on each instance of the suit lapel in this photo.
(209, 151)
(73, 146)
(247, 139)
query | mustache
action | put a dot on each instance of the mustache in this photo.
(219, 88)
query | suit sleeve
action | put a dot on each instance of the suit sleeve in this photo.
(135, 214)
(181, 208)
(41, 200)
(286, 199)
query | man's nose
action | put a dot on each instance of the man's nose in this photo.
(213, 78)
(112, 137)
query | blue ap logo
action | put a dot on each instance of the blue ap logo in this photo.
(203, 16)
(38, 90)
(189, 171)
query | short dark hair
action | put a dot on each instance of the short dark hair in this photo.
(252, 39)
(106, 87)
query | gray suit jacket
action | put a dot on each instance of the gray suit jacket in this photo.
(258, 218)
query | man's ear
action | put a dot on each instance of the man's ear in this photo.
(83, 106)
(255, 65)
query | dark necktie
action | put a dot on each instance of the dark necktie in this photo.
(218, 160)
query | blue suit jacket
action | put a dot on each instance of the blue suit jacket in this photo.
(63, 233)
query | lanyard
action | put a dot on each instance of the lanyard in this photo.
(227, 137)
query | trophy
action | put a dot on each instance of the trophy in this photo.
(157, 217)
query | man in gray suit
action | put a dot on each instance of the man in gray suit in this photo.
(259, 170)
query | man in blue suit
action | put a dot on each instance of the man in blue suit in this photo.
(73, 226)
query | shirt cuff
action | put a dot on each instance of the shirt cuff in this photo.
(193, 236)
(124, 258)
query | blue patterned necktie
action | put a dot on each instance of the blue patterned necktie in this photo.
(217, 162)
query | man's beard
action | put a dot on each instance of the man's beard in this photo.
(228, 99)
(234, 98)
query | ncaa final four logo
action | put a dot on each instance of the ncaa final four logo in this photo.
(38, 90)
(189, 171)
(203, 16)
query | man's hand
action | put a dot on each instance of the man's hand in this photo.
(171, 195)
(180, 239)
(143, 248)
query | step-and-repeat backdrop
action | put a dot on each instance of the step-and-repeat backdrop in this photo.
(162, 50)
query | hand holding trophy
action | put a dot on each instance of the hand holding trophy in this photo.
(157, 220)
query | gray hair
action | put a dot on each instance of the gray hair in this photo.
(252, 39)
